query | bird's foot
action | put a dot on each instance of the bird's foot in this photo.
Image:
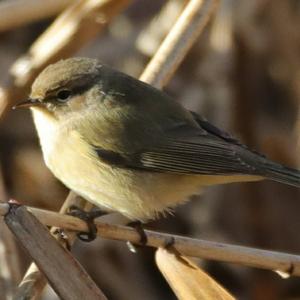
(89, 218)
(137, 225)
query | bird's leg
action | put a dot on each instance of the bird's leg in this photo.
(88, 217)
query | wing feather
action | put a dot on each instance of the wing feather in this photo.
(185, 148)
(208, 156)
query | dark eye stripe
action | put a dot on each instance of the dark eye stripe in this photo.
(77, 87)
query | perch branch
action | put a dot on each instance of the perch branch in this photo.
(282, 263)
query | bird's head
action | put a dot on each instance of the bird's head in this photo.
(61, 87)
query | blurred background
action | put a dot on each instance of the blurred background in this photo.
(243, 75)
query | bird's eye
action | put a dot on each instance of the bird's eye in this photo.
(63, 95)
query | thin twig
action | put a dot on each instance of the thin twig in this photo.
(180, 39)
(280, 262)
(21, 12)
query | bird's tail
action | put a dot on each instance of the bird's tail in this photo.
(282, 174)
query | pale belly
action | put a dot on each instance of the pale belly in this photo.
(136, 194)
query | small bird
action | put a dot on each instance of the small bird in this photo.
(125, 146)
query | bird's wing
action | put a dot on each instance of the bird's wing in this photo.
(186, 149)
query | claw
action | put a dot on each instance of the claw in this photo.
(87, 217)
(137, 225)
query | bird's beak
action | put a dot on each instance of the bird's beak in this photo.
(27, 103)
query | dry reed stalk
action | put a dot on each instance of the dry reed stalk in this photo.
(187, 280)
(15, 13)
(10, 270)
(34, 281)
(150, 38)
(67, 277)
(179, 41)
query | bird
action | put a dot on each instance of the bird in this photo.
(126, 146)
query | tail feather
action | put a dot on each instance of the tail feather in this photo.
(283, 174)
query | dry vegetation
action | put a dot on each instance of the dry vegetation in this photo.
(242, 74)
